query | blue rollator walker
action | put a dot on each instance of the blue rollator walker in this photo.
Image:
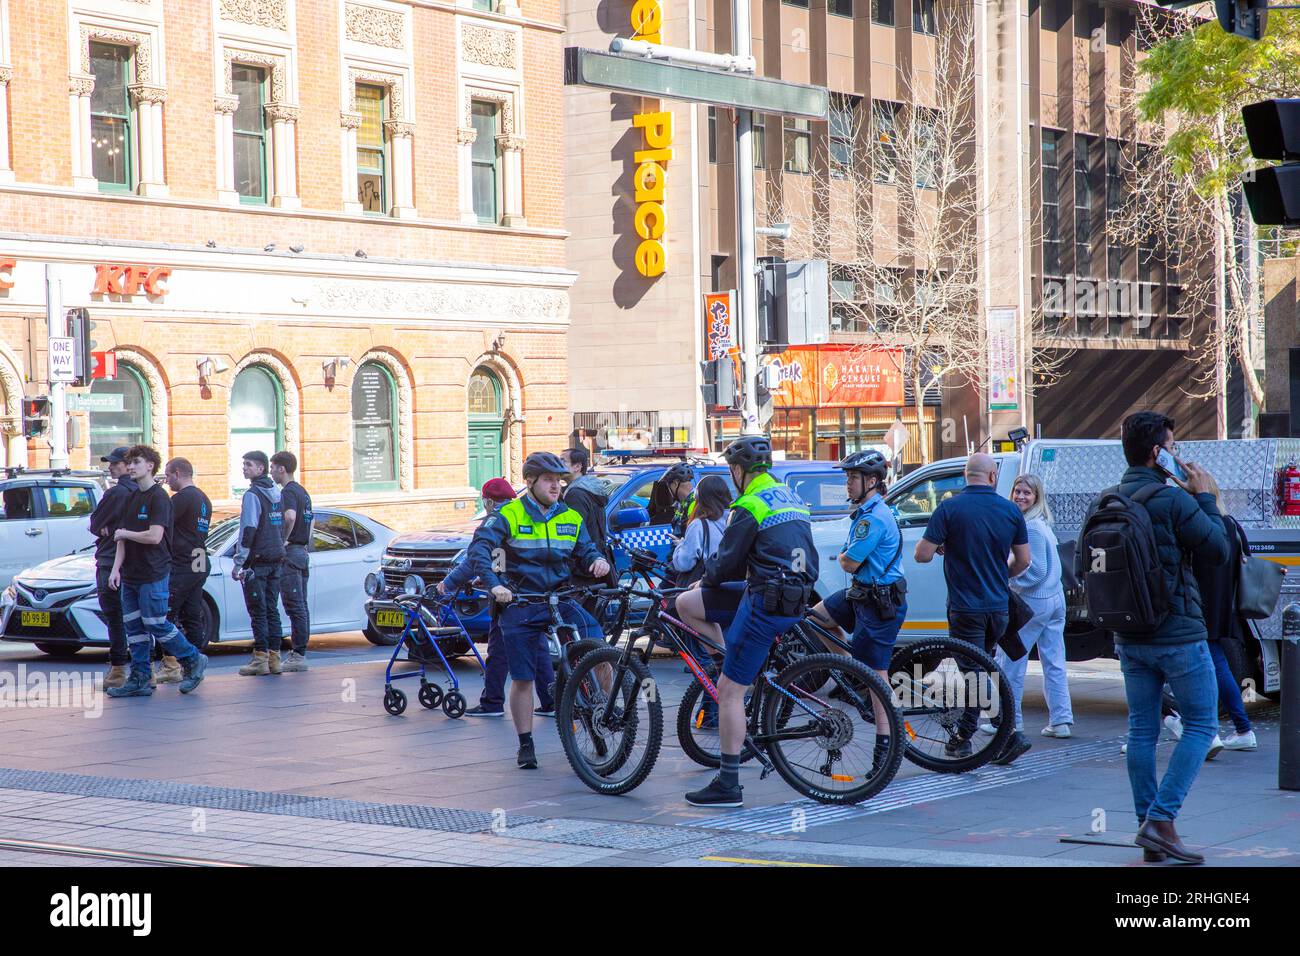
(418, 638)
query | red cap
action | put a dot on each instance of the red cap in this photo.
(498, 489)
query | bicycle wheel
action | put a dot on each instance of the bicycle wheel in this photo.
(612, 749)
(573, 652)
(697, 727)
(943, 685)
(819, 727)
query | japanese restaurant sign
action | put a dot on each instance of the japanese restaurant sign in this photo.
(837, 376)
(719, 334)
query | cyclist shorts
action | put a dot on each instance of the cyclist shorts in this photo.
(721, 602)
(874, 639)
(840, 608)
(749, 638)
(523, 635)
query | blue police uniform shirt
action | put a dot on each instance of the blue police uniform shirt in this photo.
(874, 540)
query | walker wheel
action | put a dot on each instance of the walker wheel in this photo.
(453, 705)
(430, 696)
(394, 701)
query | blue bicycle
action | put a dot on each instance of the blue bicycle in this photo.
(429, 617)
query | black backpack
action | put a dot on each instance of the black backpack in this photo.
(1123, 578)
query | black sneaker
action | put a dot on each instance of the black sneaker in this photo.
(544, 711)
(527, 758)
(956, 748)
(1016, 746)
(716, 795)
(478, 710)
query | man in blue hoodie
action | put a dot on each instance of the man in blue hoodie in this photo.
(259, 553)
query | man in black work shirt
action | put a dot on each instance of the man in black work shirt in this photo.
(191, 516)
(104, 520)
(142, 569)
(295, 507)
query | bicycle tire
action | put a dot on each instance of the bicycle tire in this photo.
(630, 691)
(936, 650)
(687, 714)
(573, 652)
(777, 708)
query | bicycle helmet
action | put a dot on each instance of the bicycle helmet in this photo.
(544, 463)
(678, 473)
(867, 462)
(751, 453)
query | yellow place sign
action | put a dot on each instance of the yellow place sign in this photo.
(650, 180)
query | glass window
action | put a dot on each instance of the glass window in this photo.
(884, 138)
(923, 17)
(843, 120)
(371, 154)
(796, 3)
(68, 501)
(374, 428)
(840, 8)
(249, 83)
(1114, 203)
(798, 144)
(332, 532)
(639, 497)
(882, 12)
(824, 493)
(487, 6)
(256, 419)
(916, 503)
(119, 412)
(758, 139)
(485, 160)
(1051, 196)
(17, 504)
(364, 537)
(484, 395)
(713, 134)
(926, 133)
(110, 117)
(1083, 152)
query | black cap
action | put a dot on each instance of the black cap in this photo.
(259, 457)
(117, 455)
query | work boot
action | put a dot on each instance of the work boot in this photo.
(195, 667)
(294, 662)
(273, 662)
(167, 671)
(257, 666)
(116, 676)
(136, 685)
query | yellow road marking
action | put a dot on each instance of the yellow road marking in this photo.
(741, 859)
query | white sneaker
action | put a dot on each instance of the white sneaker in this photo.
(1216, 745)
(1174, 724)
(987, 728)
(1124, 748)
(1236, 741)
(1057, 730)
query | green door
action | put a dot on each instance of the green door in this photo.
(485, 423)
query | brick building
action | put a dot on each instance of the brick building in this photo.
(332, 226)
(1051, 119)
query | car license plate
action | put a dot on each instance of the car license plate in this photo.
(36, 619)
(382, 619)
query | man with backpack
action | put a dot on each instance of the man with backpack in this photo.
(1134, 555)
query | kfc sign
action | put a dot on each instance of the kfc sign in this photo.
(115, 279)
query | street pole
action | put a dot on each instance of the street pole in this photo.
(58, 390)
(746, 256)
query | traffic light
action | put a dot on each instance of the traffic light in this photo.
(79, 327)
(36, 416)
(1273, 192)
(1245, 18)
(719, 385)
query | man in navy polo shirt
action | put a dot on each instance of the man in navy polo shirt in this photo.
(977, 530)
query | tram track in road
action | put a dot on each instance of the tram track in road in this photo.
(119, 856)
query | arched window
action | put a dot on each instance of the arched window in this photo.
(374, 428)
(119, 412)
(484, 394)
(486, 419)
(256, 419)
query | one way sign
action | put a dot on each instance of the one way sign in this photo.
(63, 359)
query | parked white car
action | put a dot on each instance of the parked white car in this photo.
(54, 605)
(44, 514)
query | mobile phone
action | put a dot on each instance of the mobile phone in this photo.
(1167, 463)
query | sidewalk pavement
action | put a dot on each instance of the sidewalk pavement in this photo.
(309, 769)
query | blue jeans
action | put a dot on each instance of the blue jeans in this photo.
(1229, 692)
(144, 613)
(262, 598)
(1189, 672)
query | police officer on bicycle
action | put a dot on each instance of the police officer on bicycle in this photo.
(874, 605)
(531, 544)
(768, 550)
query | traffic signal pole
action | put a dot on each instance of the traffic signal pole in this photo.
(58, 390)
(746, 255)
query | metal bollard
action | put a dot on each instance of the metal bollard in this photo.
(1288, 757)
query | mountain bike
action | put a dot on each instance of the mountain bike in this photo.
(811, 720)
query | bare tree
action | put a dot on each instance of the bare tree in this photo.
(893, 201)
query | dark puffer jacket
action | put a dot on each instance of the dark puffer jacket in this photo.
(1184, 526)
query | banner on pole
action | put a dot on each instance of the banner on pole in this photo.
(1004, 385)
(719, 330)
